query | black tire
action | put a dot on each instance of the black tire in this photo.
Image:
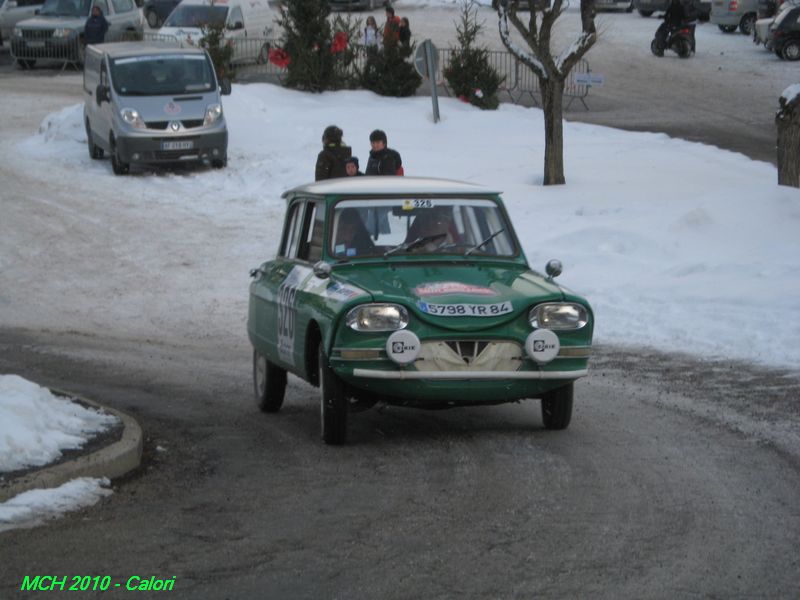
(269, 384)
(646, 13)
(26, 64)
(557, 407)
(119, 167)
(791, 50)
(656, 48)
(747, 24)
(332, 403)
(682, 47)
(152, 19)
(95, 151)
(727, 28)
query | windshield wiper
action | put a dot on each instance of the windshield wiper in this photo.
(484, 242)
(415, 243)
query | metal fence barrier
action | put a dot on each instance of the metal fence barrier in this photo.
(37, 45)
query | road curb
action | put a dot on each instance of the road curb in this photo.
(114, 460)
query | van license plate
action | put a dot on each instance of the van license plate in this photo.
(177, 145)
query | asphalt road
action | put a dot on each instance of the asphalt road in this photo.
(678, 478)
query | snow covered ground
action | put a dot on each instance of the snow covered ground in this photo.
(678, 246)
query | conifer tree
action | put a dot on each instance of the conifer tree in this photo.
(388, 72)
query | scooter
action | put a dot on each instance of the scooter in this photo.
(679, 39)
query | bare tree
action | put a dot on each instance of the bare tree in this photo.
(550, 71)
(787, 120)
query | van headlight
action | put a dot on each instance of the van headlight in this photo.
(63, 32)
(213, 114)
(558, 315)
(377, 317)
(132, 117)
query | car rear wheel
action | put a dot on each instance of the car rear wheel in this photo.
(646, 13)
(557, 407)
(269, 384)
(791, 50)
(747, 24)
(727, 28)
(152, 19)
(332, 403)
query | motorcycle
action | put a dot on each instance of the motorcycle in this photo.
(679, 39)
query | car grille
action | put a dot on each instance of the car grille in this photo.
(470, 355)
(37, 34)
(162, 125)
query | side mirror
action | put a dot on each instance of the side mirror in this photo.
(322, 269)
(225, 86)
(101, 94)
(553, 268)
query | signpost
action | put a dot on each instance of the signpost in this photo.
(426, 61)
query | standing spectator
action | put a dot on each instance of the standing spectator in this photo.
(330, 160)
(351, 167)
(391, 29)
(94, 31)
(404, 34)
(371, 33)
(383, 160)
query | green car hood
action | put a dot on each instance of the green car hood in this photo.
(476, 296)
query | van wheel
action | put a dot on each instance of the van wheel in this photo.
(747, 24)
(119, 167)
(95, 151)
(152, 19)
(727, 28)
(791, 50)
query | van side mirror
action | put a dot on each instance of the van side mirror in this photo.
(225, 86)
(101, 94)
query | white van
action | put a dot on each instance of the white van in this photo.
(243, 20)
(151, 104)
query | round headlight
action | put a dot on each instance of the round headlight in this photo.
(377, 317)
(558, 315)
(131, 117)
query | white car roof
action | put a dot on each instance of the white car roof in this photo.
(377, 185)
(124, 49)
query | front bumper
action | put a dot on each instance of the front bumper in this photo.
(150, 148)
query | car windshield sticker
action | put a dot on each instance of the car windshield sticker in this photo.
(412, 204)
(466, 310)
(172, 109)
(340, 291)
(287, 311)
(452, 287)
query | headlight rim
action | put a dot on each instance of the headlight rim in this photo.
(534, 318)
(352, 317)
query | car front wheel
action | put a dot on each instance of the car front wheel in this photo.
(747, 24)
(557, 407)
(791, 50)
(332, 403)
(269, 384)
(152, 19)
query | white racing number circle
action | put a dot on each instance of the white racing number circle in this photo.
(542, 346)
(403, 347)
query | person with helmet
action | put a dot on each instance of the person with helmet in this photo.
(382, 159)
(331, 159)
(678, 13)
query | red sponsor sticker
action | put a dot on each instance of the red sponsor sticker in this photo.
(172, 109)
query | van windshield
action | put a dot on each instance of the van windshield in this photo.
(65, 8)
(197, 15)
(162, 75)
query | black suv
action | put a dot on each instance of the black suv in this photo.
(786, 34)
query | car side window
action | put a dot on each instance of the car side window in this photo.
(236, 18)
(291, 234)
(311, 249)
(121, 6)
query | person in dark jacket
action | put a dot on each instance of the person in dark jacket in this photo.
(678, 13)
(94, 31)
(330, 160)
(383, 160)
(404, 33)
(351, 167)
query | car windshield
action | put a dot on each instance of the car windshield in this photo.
(196, 15)
(162, 75)
(65, 8)
(412, 226)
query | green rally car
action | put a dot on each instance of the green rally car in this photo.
(414, 292)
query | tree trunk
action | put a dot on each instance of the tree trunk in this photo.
(552, 105)
(788, 123)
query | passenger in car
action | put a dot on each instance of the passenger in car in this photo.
(352, 237)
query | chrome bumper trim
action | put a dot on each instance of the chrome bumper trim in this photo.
(469, 376)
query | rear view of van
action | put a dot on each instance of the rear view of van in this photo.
(149, 104)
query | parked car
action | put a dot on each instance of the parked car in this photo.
(647, 7)
(56, 33)
(156, 11)
(786, 34)
(762, 32)
(413, 292)
(14, 11)
(729, 15)
(151, 104)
